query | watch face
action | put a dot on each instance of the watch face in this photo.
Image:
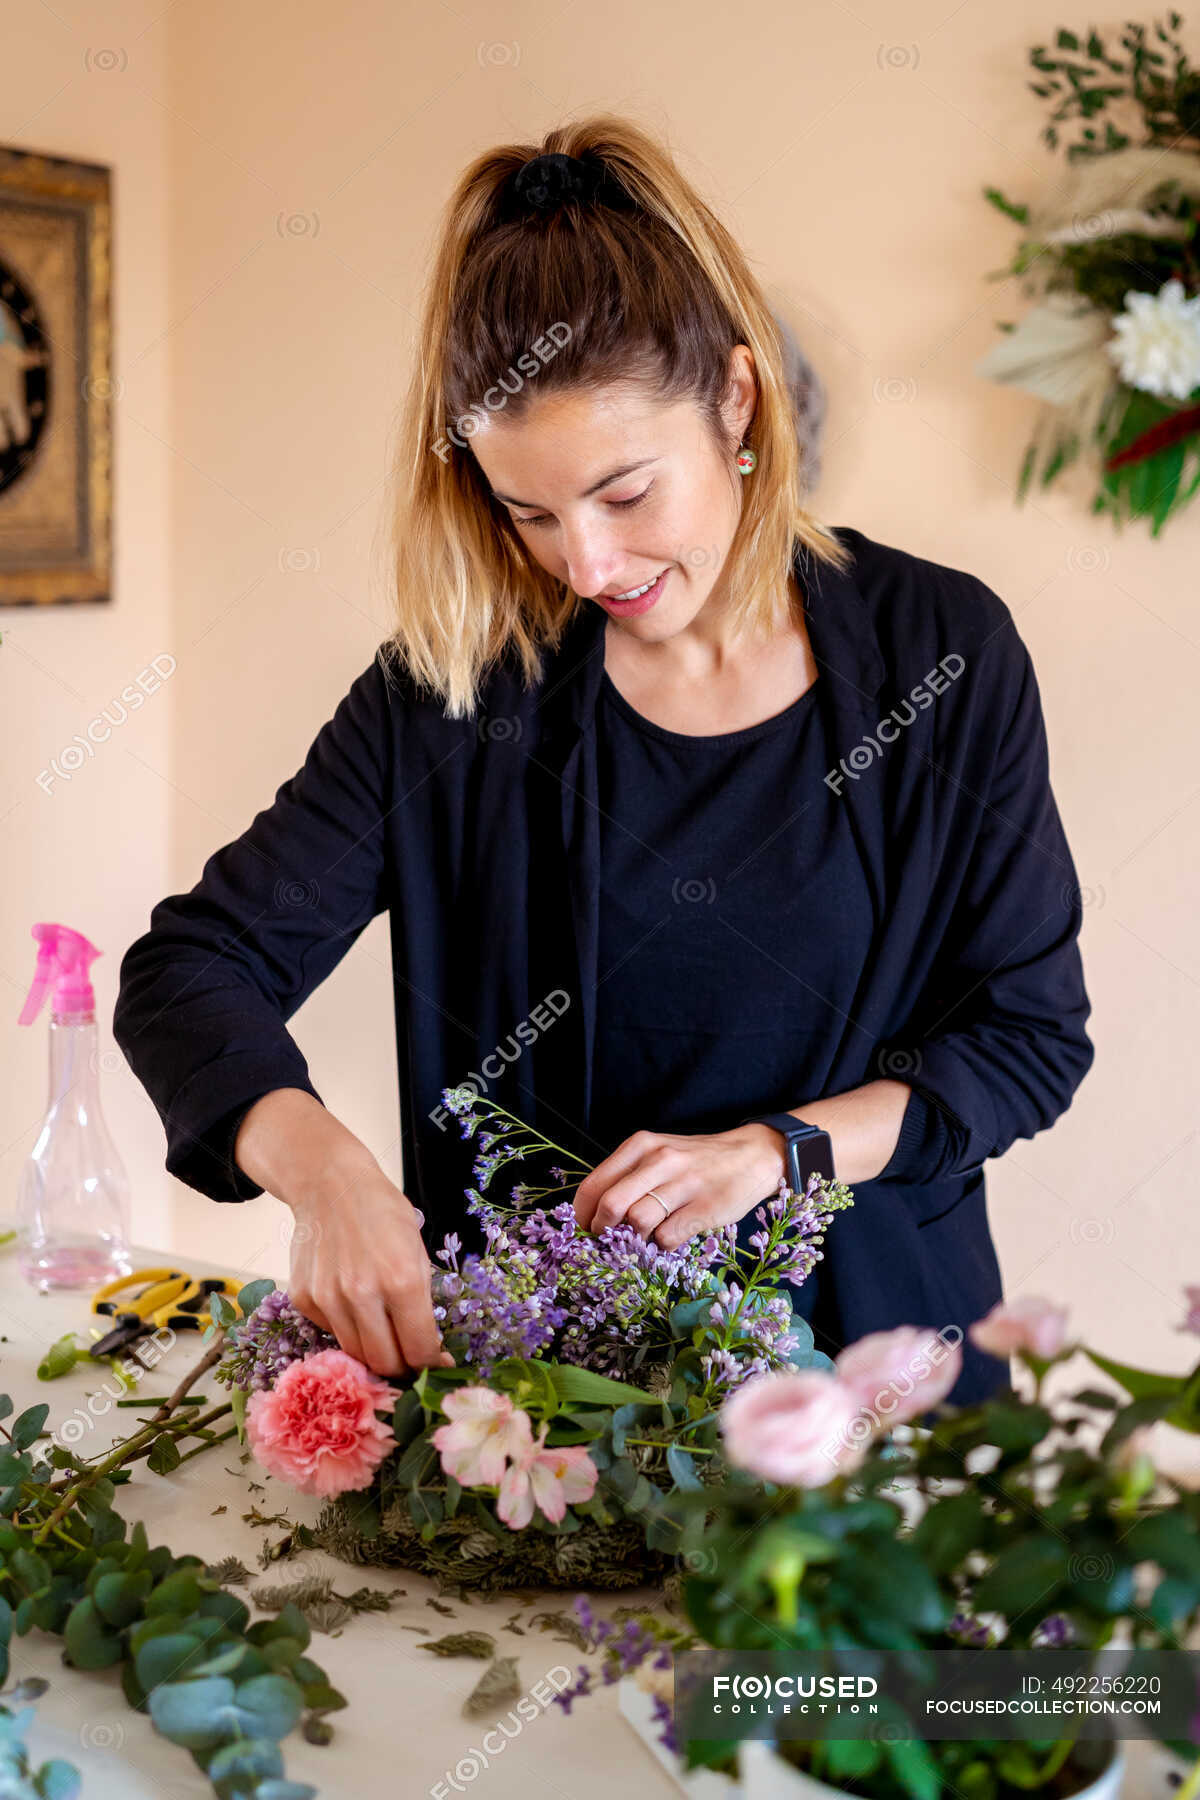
(809, 1155)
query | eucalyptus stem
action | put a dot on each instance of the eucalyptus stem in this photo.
(141, 1442)
(665, 1444)
(183, 1427)
(218, 1438)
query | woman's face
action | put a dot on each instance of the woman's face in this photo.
(609, 491)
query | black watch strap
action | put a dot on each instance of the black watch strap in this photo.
(809, 1148)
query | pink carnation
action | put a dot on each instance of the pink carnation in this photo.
(316, 1428)
(1029, 1324)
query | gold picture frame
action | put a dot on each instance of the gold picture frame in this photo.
(56, 387)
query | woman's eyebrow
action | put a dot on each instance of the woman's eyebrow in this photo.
(613, 475)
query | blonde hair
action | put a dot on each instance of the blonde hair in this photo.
(653, 290)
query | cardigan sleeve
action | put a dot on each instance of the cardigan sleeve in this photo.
(206, 992)
(1002, 1046)
(929, 1143)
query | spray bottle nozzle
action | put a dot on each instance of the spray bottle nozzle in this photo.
(64, 961)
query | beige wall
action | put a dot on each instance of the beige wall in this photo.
(279, 173)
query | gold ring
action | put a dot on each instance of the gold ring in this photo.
(653, 1196)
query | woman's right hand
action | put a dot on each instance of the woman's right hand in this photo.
(360, 1271)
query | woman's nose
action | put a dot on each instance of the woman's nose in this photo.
(593, 560)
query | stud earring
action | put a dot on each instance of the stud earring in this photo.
(746, 460)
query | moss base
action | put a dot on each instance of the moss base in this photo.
(462, 1553)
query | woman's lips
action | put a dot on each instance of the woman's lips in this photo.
(628, 609)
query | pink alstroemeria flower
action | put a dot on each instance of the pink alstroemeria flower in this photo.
(485, 1430)
(1030, 1323)
(551, 1478)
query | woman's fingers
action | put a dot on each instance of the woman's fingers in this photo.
(594, 1184)
(647, 1215)
(366, 1279)
(372, 1327)
(659, 1166)
(410, 1304)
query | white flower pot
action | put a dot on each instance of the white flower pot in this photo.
(766, 1776)
(699, 1784)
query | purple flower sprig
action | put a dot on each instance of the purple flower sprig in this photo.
(603, 1300)
(747, 1327)
(624, 1650)
(262, 1346)
(503, 1138)
(544, 1286)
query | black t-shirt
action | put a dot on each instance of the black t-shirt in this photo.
(734, 919)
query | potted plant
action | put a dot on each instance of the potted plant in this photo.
(862, 1513)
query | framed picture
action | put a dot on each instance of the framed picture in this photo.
(55, 380)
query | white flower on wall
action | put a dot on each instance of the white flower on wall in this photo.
(1157, 342)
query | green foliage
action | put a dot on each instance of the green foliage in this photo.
(1040, 1527)
(1087, 76)
(222, 1688)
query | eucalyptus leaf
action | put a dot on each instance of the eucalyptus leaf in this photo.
(28, 1424)
(164, 1454)
(89, 1644)
(197, 1714)
(254, 1293)
(248, 1758)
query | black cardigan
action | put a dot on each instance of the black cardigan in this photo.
(479, 837)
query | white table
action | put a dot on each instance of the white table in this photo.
(402, 1732)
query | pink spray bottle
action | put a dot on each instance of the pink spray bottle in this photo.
(73, 1202)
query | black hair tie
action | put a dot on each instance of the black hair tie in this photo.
(545, 184)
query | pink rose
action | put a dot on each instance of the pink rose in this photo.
(485, 1429)
(1028, 1324)
(898, 1375)
(316, 1428)
(550, 1478)
(798, 1428)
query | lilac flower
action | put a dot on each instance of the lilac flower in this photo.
(262, 1346)
(623, 1651)
(970, 1631)
(544, 1286)
(1056, 1631)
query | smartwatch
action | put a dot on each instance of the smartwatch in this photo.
(809, 1150)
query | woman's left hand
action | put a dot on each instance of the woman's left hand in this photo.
(707, 1181)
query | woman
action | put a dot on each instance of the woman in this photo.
(772, 835)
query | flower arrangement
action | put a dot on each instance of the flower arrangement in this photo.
(1112, 345)
(844, 1528)
(583, 1400)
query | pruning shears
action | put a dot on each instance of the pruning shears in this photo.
(149, 1300)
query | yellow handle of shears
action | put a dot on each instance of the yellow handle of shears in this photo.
(141, 1292)
(162, 1296)
(191, 1304)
